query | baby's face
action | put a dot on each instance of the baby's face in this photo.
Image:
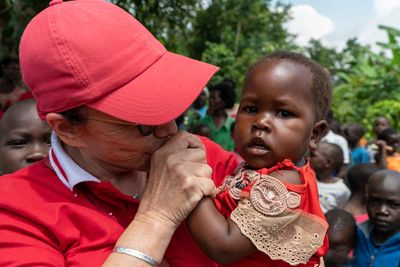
(275, 119)
(383, 204)
(24, 140)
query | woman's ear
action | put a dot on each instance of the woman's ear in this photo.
(318, 132)
(68, 133)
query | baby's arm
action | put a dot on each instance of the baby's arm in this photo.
(218, 237)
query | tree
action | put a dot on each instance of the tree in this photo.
(169, 20)
(14, 16)
(235, 33)
(371, 84)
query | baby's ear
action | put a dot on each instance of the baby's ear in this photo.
(318, 132)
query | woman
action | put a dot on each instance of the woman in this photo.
(119, 180)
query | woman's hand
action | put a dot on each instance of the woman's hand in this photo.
(179, 177)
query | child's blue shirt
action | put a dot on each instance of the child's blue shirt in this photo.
(368, 255)
(360, 155)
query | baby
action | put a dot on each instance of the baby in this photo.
(267, 213)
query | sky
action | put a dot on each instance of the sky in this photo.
(335, 21)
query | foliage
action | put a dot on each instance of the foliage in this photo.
(388, 108)
(337, 61)
(169, 20)
(233, 34)
(14, 16)
(371, 83)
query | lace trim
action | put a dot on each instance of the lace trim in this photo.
(239, 180)
(281, 233)
(270, 196)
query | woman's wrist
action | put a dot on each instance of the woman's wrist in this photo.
(145, 234)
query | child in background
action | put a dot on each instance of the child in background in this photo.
(359, 154)
(380, 124)
(357, 179)
(24, 138)
(378, 239)
(388, 144)
(267, 213)
(342, 238)
(326, 160)
(196, 112)
(333, 135)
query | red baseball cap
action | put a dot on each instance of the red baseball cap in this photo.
(93, 53)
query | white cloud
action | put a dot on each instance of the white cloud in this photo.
(385, 12)
(307, 23)
(385, 7)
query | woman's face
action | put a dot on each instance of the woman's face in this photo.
(121, 147)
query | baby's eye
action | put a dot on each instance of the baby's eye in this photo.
(284, 114)
(17, 143)
(250, 109)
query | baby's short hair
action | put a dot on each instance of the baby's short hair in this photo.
(321, 88)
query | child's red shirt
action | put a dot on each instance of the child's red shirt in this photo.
(284, 221)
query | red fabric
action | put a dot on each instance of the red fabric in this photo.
(43, 223)
(309, 203)
(360, 218)
(25, 96)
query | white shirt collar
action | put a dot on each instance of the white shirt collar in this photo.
(74, 174)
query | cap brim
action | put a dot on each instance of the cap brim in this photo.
(161, 93)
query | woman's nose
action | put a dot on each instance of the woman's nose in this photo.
(166, 130)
